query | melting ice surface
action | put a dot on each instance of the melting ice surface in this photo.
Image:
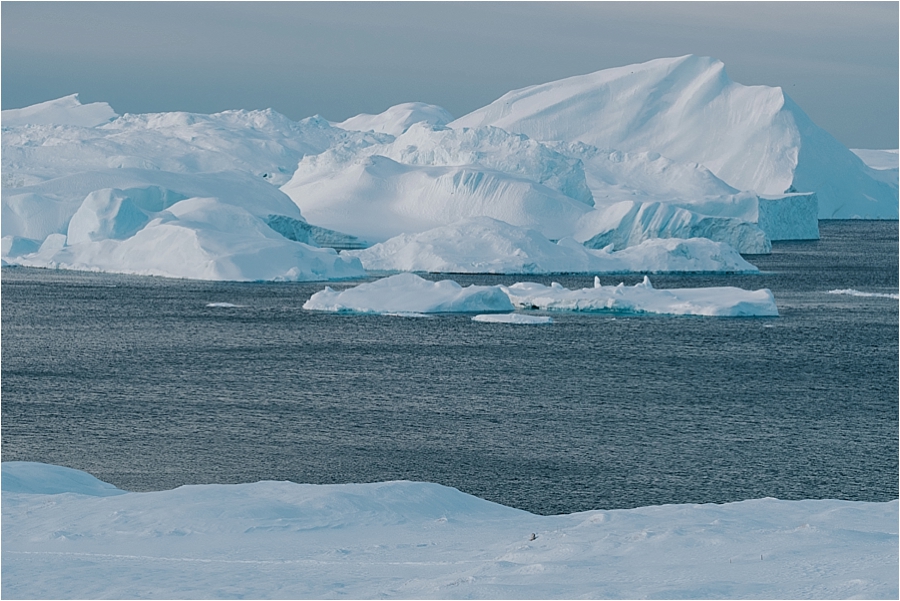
(420, 540)
(410, 293)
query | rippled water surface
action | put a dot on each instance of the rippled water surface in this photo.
(140, 382)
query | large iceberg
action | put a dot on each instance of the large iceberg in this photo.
(215, 226)
(754, 138)
(485, 245)
(408, 293)
(68, 535)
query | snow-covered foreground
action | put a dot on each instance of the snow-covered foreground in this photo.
(421, 540)
(408, 293)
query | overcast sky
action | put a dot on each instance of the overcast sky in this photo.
(839, 61)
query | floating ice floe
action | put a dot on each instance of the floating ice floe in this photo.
(514, 318)
(407, 292)
(723, 301)
(67, 535)
(485, 245)
(852, 292)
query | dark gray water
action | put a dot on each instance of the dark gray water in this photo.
(137, 381)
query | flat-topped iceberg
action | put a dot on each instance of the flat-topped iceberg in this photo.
(485, 245)
(420, 540)
(409, 293)
(725, 301)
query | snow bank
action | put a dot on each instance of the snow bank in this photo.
(67, 110)
(420, 540)
(753, 138)
(723, 301)
(484, 245)
(398, 119)
(44, 479)
(408, 293)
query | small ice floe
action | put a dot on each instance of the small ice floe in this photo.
(852, 292)
(408, 293)
(223, 305)
(514, 318)
(724, 301)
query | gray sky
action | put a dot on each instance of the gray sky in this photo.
(839, 61)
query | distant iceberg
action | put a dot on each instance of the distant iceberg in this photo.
(599, 166)
(754, 138)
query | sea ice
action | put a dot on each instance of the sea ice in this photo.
(63, 537)
(723, 301)
(852, 292)
(514, 318)
(408, 293)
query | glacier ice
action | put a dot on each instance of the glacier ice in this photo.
(671, 150)
(485, 245)
(754, 138)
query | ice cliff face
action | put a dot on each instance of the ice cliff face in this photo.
(687, 109)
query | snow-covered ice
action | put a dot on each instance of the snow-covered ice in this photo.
(397, 119)
(421, 540)
(485, 245)
(668, 149)
(725, 301)
(513, 318)
(687, 109)
(408, 293)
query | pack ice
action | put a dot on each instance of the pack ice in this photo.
(68, 535)
(668, 149)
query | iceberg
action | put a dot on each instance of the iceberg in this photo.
(409, 293)
(397, 119)
(67, 110)
(754, 138)
(421, 540)
(485, 245)
(377, 198)
(725, 301)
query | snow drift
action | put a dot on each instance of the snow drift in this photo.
(421, 540)
(754, 138)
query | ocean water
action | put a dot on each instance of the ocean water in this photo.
(141, 383)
